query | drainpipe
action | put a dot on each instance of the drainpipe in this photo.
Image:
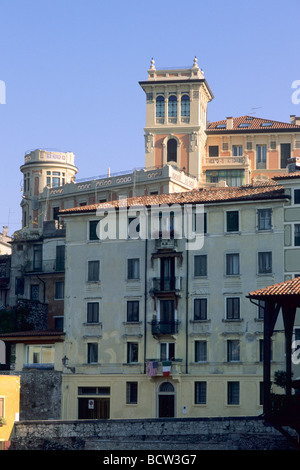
(145, 305)
(187, 312)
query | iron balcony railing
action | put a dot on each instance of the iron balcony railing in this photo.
(45, 266)
(164, 327)
(166, 284)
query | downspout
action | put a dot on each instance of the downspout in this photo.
(145, 305)
(187, 312)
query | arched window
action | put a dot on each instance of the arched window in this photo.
(185, 105)
(160, 106)
(172, 150)
(173, 106)
(166, 387)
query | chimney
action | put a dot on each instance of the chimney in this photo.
(293, 118)
(229, 122)
(5, 232)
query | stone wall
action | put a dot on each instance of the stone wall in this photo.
(40, 394)
(159, 434)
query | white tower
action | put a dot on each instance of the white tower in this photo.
(43, 169)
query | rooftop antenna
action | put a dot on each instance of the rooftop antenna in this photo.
(259, 107)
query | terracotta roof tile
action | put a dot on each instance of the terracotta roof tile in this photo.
(253, 123)
(291, 287)
(201, 196)
(285, 176)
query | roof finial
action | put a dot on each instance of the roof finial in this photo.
(195, 62)
(152, 66)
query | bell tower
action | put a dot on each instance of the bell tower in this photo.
(176, 109)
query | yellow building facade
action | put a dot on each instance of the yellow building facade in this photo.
(9, 407)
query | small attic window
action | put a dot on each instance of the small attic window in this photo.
(249, 118)
(267, 124)
(221, 126)
(244, 124)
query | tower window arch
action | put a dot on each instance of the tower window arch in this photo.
(172, 150)
(173, 106)
(185, 105)
(160, 106)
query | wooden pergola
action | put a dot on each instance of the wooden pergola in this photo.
(284, 297)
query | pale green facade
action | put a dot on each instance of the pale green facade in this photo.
(216, 369)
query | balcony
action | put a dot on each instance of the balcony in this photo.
(166, 284)
(164, 327)
(238, 162)
(45, 266)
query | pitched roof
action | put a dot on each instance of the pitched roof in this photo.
(285, 176)
(251, 124)
(31, 334)
(268, 190)
(289, 288)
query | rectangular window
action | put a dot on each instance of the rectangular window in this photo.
(200, 222)
(233, 393)
(93, 230)
(59, 290)
(237, 150)
(132, 352)
(200, 265)
(133, 268)
(232, 221)
(200, 309)
(233, 308)
(285, 154)
(34, 292)
(213, 150)
(261, 309)
(233, 350)
(37, 354)
(37, 257)
(200, 393)
(167, 351)
(93, 271)
(92, 353)
(133, 310)
(265, 262)
(200, 351)
(60, 258)
(261, 157)
(232, 264)
(297, 196)
(93, 312)
(264, 219)
(19, 286)
(131, 393)
(297, 234)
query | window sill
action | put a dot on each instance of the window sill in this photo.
(232, 320)
(200, 321)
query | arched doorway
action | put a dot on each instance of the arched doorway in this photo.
(166, 400)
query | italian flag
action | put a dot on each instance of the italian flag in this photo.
(166, 368)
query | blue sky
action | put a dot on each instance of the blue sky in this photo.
(71, 70)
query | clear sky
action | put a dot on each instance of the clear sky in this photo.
(71, 70)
